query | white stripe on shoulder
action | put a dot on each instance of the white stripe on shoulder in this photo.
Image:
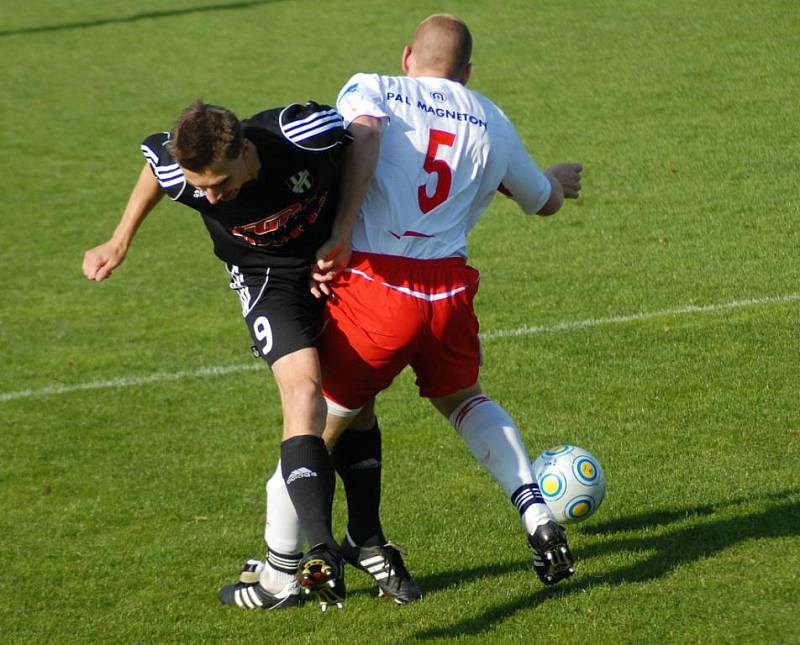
(331, 123)
(151, 156)
(166, 183)
(168, 172)
(163, 172)
(310, 118)
(294, 131)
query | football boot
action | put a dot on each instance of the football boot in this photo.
(385, 564)
(321, 570)
(552, 559)
(248, 593)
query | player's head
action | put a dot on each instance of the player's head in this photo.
(208, 143)
(442, 47)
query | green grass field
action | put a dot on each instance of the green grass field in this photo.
(656, 322)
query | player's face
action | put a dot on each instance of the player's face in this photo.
(221, 181)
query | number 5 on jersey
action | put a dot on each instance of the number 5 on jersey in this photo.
(438, 167)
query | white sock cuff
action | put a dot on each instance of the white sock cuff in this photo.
(464, 408)
(286, 562)
(494, 441)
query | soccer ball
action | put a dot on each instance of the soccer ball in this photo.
(572, 482)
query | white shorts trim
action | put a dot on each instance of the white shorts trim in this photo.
(340, 411)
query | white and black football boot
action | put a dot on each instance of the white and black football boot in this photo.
(385, 564)
(321, 570)
(249, 594)
(552, 559)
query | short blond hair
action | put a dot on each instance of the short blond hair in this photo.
(443, 42)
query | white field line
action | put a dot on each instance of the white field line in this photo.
(567, 325)
(571, 325)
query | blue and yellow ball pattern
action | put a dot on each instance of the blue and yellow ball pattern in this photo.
(580, 508)
(572, 482)
(586, 469)
(552, 485)
(557, 450)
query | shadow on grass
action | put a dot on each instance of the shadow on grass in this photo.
(147, 15)
(683, 545)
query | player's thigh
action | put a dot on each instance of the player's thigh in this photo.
(280, 313)
(366, 343)
(448, 356)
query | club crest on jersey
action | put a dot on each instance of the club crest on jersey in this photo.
(439, 97)
(198, 194)
(300, 182)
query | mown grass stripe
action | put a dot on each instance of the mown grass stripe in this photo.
(568, 325)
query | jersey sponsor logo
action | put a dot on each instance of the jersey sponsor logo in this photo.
(451, 114)
(294, 220)
(300, 182)
(402, 98)
(395, 98)
(267, 225)
(299, 473)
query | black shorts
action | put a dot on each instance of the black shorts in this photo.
(279, 309)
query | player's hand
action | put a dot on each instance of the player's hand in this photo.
(332, 257)
(569, 175)
(99, 262)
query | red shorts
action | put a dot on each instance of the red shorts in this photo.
(388, 312)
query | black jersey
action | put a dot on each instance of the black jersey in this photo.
(284, 216)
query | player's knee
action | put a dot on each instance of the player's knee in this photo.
(304, 394)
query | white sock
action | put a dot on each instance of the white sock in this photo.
(283, 535)
(495, 442)
(274, 580)
(535, 515)
(282, 531)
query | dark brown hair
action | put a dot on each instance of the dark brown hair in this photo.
(204, 134)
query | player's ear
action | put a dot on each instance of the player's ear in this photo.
(404, 60)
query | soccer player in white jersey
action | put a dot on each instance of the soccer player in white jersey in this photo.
(432, 155)
(406, 296)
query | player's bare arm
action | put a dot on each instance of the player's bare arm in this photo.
(99, 262)
(360, 160)
(565, 179)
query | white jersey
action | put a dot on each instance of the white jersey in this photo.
(445, 151)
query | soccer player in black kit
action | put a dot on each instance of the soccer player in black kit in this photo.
(267, 189)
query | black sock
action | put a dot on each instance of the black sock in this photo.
(308, 473)
(357, 458)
